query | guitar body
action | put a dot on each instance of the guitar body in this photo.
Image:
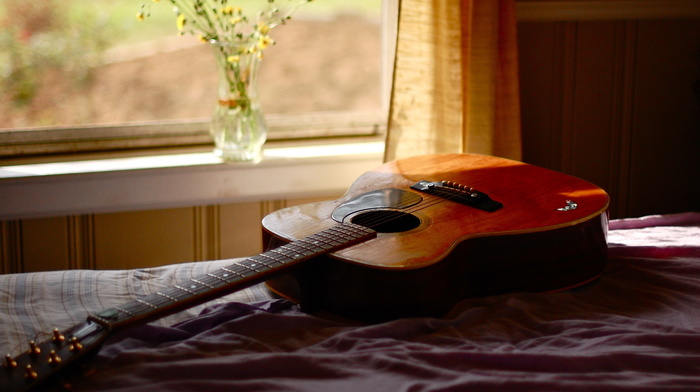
(549, 234)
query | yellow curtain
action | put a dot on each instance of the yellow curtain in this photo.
(455, 85)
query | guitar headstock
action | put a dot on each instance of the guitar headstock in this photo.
(42, 363)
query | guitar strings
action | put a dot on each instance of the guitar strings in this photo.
(428, 201)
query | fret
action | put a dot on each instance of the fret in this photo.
(247, 267)
(306, 246)
(156, 300)
(233, 272)
(233, 277)
(219, 277)
(174, 293)
(255, 263)
(203, 284)
(194, 287)
(137, 307)
(265, 255)
(283, 261)
(258, 257)
(331, 241)
(166, 296)
(124, 311)
(322, 241)
(288, 251)
(351, 232)
(185, 290)
(313, 243)
(147, 303)
(315, 247)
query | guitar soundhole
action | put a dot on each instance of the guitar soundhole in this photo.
(386, 221)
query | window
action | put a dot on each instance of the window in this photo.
(85, 75)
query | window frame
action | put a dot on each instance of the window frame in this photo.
(74, 139)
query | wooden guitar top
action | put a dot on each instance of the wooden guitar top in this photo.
(534, 200)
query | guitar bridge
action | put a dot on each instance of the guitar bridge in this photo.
(459, 193)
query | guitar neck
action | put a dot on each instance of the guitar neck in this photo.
(46, 361)
(237, 276)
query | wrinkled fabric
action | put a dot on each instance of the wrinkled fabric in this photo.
(637, 328)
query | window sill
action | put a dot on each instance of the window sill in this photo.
(181, 178)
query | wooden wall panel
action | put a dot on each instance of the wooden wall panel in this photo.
(587, 149)
(144, 238)
(616, 103)
(240, 229)
(45, 244)
(136, 239)
(666, 140)
(10, 246)
(546, 75)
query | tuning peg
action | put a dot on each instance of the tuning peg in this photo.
(34, 349)
(57, 337)
(31, 374)
(10, 363)
(54, 359)
(75, 344)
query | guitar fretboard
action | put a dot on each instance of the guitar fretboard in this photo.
(234, 277)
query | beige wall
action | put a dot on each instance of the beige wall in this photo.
(136, 239)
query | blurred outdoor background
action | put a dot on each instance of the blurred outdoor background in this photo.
(71, 62)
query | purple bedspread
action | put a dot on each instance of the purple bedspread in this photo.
(637, 328)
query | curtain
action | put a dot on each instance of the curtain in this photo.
(455, 86)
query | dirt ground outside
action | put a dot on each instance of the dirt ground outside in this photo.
(316, 65)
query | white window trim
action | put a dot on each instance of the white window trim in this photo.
(182, 179)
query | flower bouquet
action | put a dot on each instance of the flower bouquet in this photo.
(238, 32)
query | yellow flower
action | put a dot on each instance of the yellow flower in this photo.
(181, 20)
(228, 10)
(233, 59)
(264, 42)
(156, 1)
(140, 16)
(263, 28)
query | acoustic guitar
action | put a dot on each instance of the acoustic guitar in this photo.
(409, 239)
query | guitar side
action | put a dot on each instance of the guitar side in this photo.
(536, 242)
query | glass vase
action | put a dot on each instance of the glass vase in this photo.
(237, 125)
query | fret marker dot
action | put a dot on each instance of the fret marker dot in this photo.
(193, 287)
(225, 275)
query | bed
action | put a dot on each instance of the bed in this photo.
(636, 328)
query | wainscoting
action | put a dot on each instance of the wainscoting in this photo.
(138, 238)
